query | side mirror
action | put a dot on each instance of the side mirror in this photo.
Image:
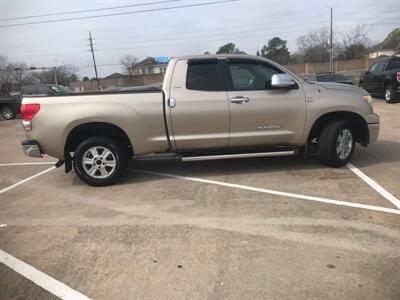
(282, 81)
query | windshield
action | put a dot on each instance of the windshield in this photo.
(331, 77)
(60, 89)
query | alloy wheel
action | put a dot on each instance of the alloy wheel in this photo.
(7, 113)
(99, 162)
(344, 144)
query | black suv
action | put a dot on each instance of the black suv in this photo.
(383, 78)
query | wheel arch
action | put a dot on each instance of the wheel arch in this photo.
(84, 131)
(358, 124)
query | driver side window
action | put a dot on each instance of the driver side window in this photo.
(251, 76)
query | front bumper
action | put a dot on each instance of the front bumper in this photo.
(32, 148)
(372, 121)
(373, 130)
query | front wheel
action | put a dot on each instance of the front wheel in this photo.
(7, 112)
(336, 144)
(99, 161)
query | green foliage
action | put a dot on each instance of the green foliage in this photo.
(229, 48)
(276, 50)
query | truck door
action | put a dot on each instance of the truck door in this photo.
(261, 115)
(368, 77)
(375, 76)
(198, 106)
(379, 76)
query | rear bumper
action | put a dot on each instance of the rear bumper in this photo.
(32, 148)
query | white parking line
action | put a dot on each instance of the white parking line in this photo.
(26, 180)
(278, 193)
(28, 163)
(41, 279)
(384, 193)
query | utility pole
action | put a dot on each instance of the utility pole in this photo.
(94, 60)
(331, 43)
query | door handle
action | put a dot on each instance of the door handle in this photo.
(171, 102)
(240, 100)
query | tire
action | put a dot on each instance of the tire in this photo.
(95, 166)
(7, 112)
(389, 94)
(329, 143)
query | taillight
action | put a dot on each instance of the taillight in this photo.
(28, 111)
(398, 76)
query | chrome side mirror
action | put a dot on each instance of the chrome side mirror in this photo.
(282, 81)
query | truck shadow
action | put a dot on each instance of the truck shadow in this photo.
(381, 152)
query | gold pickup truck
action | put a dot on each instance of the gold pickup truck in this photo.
(209, 107)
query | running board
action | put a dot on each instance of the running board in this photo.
(242, 155)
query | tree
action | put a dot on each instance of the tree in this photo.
(276, 50)
(128, 62)
(355, 43)
(65, 74)
(315, 46)
(229, 48)
(21, 73)
(85, 78)
(6, 71)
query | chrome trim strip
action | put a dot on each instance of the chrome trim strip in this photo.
(243, 155)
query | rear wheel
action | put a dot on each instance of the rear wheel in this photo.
(336, 144)
(7, 112)
(389, 94)
(100, 161)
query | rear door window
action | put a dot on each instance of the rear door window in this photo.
(44, 90)
(203, 76)
(394, 64)
(29, 90)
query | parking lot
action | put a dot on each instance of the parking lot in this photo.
(270, 228)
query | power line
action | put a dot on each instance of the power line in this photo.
(88, 10)
(129, 37)
(119, 14)
(218, 39)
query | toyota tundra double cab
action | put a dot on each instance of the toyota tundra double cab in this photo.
(209, 107)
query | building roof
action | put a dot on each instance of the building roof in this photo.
(150, 61)
(115, 76)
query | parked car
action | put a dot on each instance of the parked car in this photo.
(9, 106)
(383, 78)
(209, 107)
(44, 89)
(330, 77)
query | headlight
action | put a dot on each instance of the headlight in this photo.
(367, 98)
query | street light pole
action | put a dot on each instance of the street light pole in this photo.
(55, 75)
(331, 44)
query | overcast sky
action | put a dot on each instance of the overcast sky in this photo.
(183, 31)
